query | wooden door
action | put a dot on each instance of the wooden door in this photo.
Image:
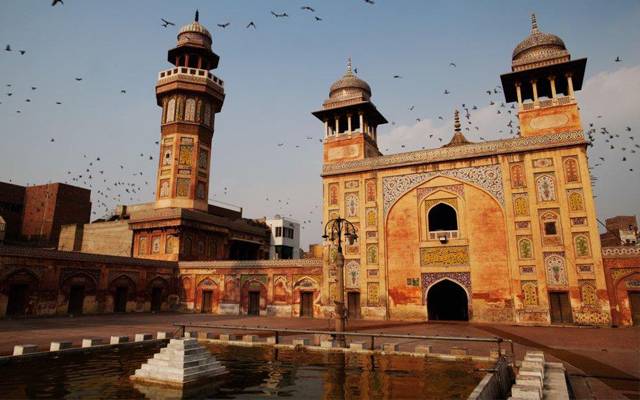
(254, 303)
(120, 302)
(156, 299)
(634, 304)
(353, 305)
(306, 304)
(17, 304)
(76, 300)
(207, 301)
(560, 308)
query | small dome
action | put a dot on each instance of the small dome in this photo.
(349, 85)
(194, 27)
(539, 46)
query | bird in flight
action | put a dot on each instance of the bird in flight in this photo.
(166, 23)
(58, 103)
(284, 14)
(618, 59)
(251, 24)
(54, 2)
(78, 79)
(223, 26)
(446, 91)
(308, 8)
(123, 91)
(369, 1)
(397, 77)
(22, 52)
(320, 19)
(8, 48)
(452, 64)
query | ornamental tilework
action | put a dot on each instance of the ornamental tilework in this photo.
(571, 172)
(351, 184)
(487, 177)
(530, 293)
(543, 163)
(432, 202)
(463, 278)
(352, 272)
(372, 218)
(183, 187)
(576, 201)
(333, 194)
(351, 204)
(425, 192)
(592, 318)
(520, 205)
(578, 221)
(523, 225)
(164, 188)
(186, 152)
(556, 270)
(525, 248)
(582, 245)
(546, 187)
(619, 272)
(517, 176)
(585, 268)
(588, 292)
(373, 294)
(372, 254)
(450, 255)
(370, 190)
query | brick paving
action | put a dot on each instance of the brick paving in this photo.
(602, 363)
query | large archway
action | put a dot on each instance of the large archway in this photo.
(447, 301)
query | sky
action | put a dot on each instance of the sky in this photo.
(277, 74)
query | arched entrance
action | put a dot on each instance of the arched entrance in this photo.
(447, 301)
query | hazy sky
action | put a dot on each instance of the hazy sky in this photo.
(276, 75)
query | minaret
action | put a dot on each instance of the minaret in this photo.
(350, 120)
(190, 96)
(543, 82)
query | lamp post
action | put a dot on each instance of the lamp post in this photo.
(334, 230)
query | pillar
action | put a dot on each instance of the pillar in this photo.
(186, 60)
(337, 126)
(534, 87)
(570, 85)
(349, 123)
(552, 81)
(326, 128)
(519, 94)
(361, 116)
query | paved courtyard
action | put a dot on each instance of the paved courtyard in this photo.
(602, 363)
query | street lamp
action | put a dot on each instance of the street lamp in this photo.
(334, 230)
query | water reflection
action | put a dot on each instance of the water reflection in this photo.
(257, 372)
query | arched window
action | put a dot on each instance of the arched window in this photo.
(442, 217)
(171, 110)
(190, 110)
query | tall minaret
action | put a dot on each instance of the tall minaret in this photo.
(350, 120)
(190, 96)
(543, 81)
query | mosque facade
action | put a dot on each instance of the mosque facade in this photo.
(494, 231)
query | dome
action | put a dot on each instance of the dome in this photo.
(349, 86)
(195, 27)
(539, 46)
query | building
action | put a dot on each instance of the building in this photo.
(285, 238)
(497, 231)
(34, 215)
(180, 224)
(622, 271)
(621, 231)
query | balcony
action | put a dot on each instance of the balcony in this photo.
(545, 103)
(436, 235)
(178, 72)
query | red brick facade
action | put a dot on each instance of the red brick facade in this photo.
(622, 271)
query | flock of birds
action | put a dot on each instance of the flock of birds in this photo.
(131, 185)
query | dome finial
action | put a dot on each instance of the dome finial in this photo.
(349, 70)
(456, 121)
(197, 15)
(534, 23)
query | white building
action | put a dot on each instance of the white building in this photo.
(285, 238)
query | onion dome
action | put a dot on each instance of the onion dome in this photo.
(349, 86)
(202, 35)
(539, 48)
(458, 138)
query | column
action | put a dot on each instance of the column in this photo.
(186, 60)
(552, 81)
(361, 116)
(326, 128)
(349, 123)
(337, 126)
(375, 133)
(519, 94)
(534, 87)
(199, 62)
(570, 85)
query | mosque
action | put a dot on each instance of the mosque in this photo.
(496, 231)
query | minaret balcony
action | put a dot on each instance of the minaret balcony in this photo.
(545, 103)
(190, 74)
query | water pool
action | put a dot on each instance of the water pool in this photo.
(254, 372)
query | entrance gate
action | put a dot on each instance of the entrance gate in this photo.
(634, 304)
(120, 302)
(17, 304)
(207, 301)
(353, 305)
(254, 303)
(76, 300)
(306, 304)
(156, 299)
(447, 301)
(560, 308)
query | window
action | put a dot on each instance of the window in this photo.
(550, 228)
(287, 232)
(442, 217)
(278, 231)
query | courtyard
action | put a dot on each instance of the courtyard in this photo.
(602, 363)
